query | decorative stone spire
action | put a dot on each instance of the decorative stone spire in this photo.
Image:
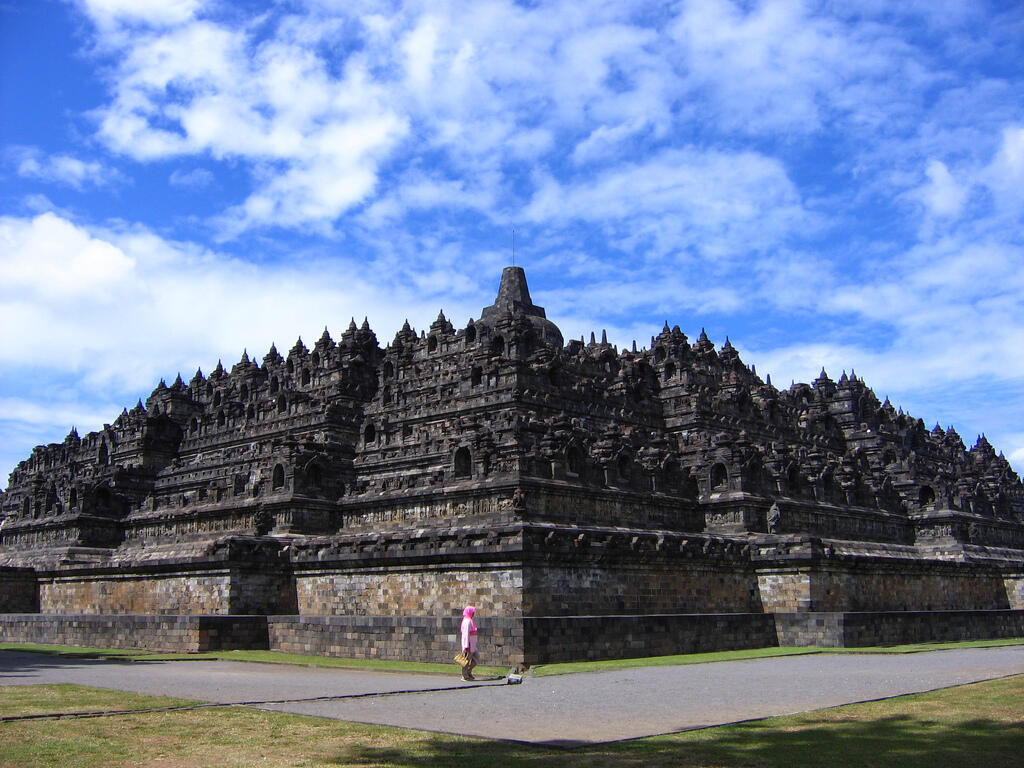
(272, 357)
(350, 333)
(703, 343)
(299, 350)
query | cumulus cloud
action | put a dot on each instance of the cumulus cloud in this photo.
(32, 163)
(110, 13)
(197, 178)
(1005, 174)
(942, 195)
(723, 204)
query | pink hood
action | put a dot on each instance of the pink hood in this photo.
(468, 611)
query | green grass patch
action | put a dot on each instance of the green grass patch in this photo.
(264, 657)
(51, 699)
(382, 665)
(922, 647)
(972, 725)
(754, 653)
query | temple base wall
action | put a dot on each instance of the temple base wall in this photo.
(138, 593)
(396, 638)
(1013, 583)
(639, 588)
(861, 587)
(545, 592)
(435, 590)
(19, 590)
(554, 639)
(858, 630)
(509, 641)
(184, 634)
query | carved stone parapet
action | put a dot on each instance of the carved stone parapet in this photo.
(949, 526)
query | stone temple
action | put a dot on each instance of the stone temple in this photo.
(349, 499)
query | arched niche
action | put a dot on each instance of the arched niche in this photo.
(463, 463)
(575, 463)
(926, 497)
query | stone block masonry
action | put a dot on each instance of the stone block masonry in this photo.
(872, 628)
(395, 638)
(183, 634)
(552, 639)
(19, 591)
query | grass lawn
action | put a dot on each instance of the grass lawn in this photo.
(757, 653)
(973, 725)
(265, 657)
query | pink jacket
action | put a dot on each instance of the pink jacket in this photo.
(469, 629)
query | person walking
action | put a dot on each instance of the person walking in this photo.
(469, 642)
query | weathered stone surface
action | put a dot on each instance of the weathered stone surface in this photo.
(544, 481)
(19, 590)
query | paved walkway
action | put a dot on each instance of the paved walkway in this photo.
(565, 710)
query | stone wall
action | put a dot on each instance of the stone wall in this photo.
(400, 638)
(566, 503)
(187, 634)
(552, 639)
(853, 630)
(1013, 583)
(203, 592)
(785, 590)
(906, 586)
(161, 590)
(427, 590)
(639, 588)
(19, 592)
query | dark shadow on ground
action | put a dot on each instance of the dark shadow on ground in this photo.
(889, 742)
(13, 663)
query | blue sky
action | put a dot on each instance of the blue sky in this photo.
(832, 184)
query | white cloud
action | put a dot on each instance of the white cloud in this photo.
(779, 66)
(107, 13)
(724, 204)
(197, 178)
(323, 101)
(123, 307)
(31, 163)
(942, 195)
(1005, 175)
